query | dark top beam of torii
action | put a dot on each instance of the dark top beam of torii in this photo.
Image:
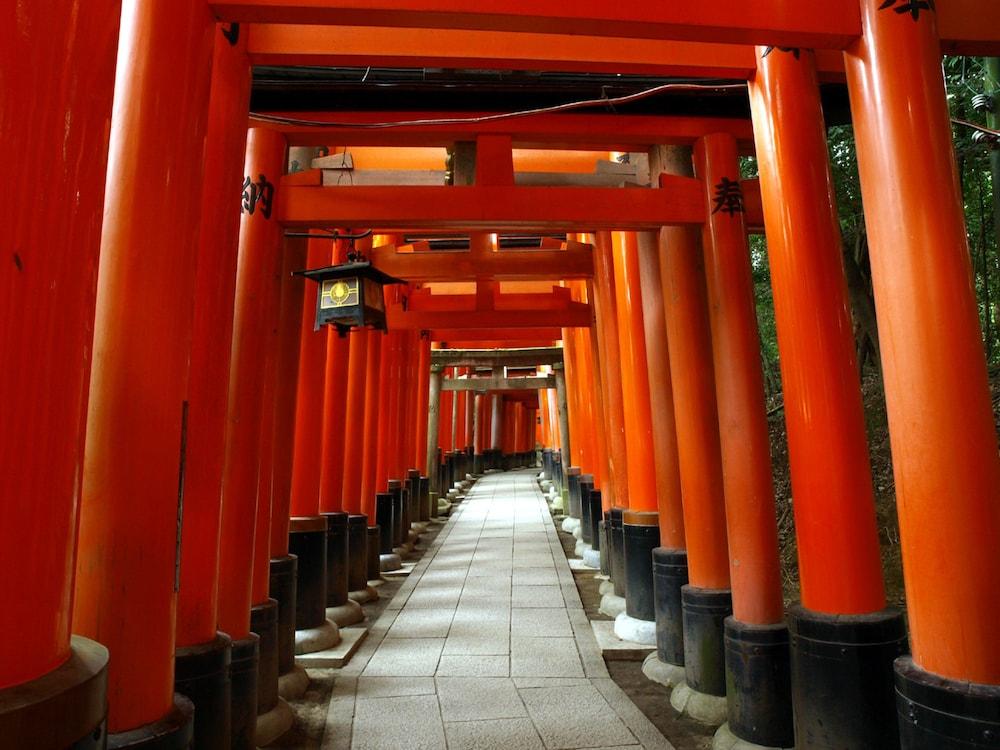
(496, 358)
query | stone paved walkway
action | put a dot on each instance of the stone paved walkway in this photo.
(486, 645)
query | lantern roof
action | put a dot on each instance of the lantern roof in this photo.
(349, 270)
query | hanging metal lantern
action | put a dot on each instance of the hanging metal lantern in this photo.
(350, 295)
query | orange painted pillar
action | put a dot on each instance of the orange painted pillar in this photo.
(661, 398)
(828, 453)
(760, 709)
(127, 558)
(50, 227)
(386, 387)
(336, 371)
(372, 399)
(572, 457)
(635, 378)
(696, 421)
(310, 404)
(611, 377)
(944, 444)
(208, 387)
(354, 396)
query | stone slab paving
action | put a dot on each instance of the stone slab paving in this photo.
(486, 645)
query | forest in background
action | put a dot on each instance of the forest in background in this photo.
(974, 97)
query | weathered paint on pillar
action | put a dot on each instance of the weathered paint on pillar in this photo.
(610, 356)
(354, 449)
(640, 455)
(739, 388)
(51, 250)
(696, 417)
(423, 448)
(257, 309)
(128, 550)
(944, 444)
(828, 453)
(208, 388)
(433, 421)
(661, 397)
(562, 410)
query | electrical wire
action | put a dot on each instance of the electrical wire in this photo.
(974, 126)
(569, 106)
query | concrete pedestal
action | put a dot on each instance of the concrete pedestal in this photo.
(633, 629)
(321, 638)
(662, 673)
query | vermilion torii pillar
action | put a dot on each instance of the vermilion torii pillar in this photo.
(640, 526)
(128, 528)
(256, 313)
(203, 654)
(50, 227)
(706, 600)
(841, 694)
(757, 646)
(944, 444)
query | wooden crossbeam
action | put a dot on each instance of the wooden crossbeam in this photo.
(503, 265)
(477, 208)
(966, 26)
(482, 385)
(576, 316)
(496, 358)
(284, 44)
(586, 132)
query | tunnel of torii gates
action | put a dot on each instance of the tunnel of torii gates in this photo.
(198, 486)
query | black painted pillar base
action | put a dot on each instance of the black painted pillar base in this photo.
(338, 559)
(586, 486)
(705, 612)
(842, 678)
(172, 732)
(596, 514)
(307, 540)
(201, 674)
(383, 518)
(264, 622)
(243, 673)
(936, 713)
(66, 707)
(759, 683)
(670, 575)
(616, 543)
(426, 511)
(605, 548)
(357, 545)
(373, 568)
(398, 535)
(640, 536)
(284, 571)
(573, 483)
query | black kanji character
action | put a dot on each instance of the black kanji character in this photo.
(913, 7)
(796, 52)
(728, 197)
(260, 192)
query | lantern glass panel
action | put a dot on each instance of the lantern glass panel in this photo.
(339, 293)
(373, 295)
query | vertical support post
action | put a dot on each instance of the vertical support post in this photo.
(610, 355)
(562, 409)
(496, 436)
(944, 444)
(422, 446)
(336, 373)
(757, 643)
(354, 450)
(50, 228)
(433, 423)
(828, 454)
(128, 552)
(706, 600)
(375, 391)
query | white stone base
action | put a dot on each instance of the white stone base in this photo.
(581, 547)
(390, 562)
(592, 558)
(724, 739)
(668, 675)
(569, 524)
(612, 605)
(346, 614)
(606, 587)
(325, 636)
(707, 709)
(578, 531)
(365, 595)
(274, 723)
(635, 630)
(337, 657)
(293, 685)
